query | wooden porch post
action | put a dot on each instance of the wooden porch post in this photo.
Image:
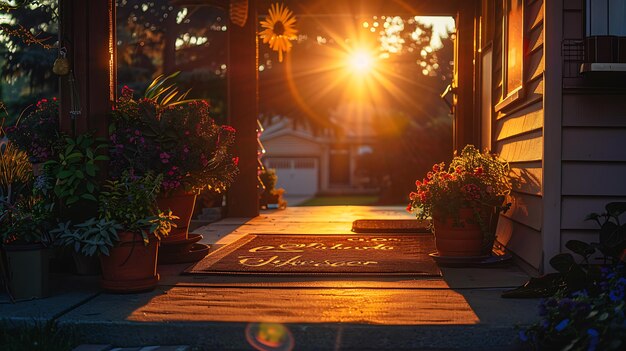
(243, 95)
(88, 33)
(466, 122)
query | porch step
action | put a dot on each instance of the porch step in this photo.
(232, 336)
(102, 347)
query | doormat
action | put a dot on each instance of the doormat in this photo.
(311, 254)
(390, 226)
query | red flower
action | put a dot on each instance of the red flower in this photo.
(478, 171)
(236, 161)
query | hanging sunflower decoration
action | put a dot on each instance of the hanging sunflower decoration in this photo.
(279, 29)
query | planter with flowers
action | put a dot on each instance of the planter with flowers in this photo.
(25, 219)
(178, 139)
(463, 201)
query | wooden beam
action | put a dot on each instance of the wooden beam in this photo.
(243, 96)
(88, 33)
(466, 128)
(369, 7)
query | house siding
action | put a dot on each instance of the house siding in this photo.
(519, 139)
(593, 164)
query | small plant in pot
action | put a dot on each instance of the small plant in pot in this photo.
(177, 138)
(463, 201)
(271, 197)
(26, 216)
(126, 234)
(131, 202)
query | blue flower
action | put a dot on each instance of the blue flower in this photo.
(562, 325)
(522, 335)
(593, 339)
(616, 295)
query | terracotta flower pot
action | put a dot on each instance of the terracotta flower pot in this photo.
(130, 266)
(28, 269)
(181, 204)
(464, 238)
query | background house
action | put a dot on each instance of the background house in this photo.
(309, 162)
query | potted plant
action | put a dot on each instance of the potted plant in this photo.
(37, 132)
(463, 201)
(176, 138)
(271, 197)
(25, 219)
(129, 203)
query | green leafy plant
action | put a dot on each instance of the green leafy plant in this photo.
(582, 274)
(587, 310)
(28, 220)
(164, 93)
(94, 236)
(76, 168)
(131, 202)
(269, 178)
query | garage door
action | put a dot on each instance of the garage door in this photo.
(298, 176)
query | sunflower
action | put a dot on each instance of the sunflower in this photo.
(279, 29)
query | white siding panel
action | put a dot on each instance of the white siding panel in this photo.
(576, 208)
(525, 242)
(526, 209)
(600, 110)
(594, 178)
(594, 144)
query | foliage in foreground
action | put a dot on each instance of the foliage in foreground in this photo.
(587, 312)
(42, 336)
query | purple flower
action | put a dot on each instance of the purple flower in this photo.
(562, 325)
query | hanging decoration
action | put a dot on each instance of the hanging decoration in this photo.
(239, 12)
(279, 29)
(61, 66)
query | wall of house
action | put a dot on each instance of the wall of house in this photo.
(517, 135)
(593, 166)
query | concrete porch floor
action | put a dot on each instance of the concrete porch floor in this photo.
(462, 310)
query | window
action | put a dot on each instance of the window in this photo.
(606, 17)
(513, 52)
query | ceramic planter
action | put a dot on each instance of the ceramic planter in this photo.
(28, 269)
(461, 239)
(131, 265)
(182, 205)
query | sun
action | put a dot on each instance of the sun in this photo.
(360, 61)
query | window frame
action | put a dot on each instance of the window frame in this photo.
(516, 94)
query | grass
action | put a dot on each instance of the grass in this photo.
(341, 201)
(39, 336)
